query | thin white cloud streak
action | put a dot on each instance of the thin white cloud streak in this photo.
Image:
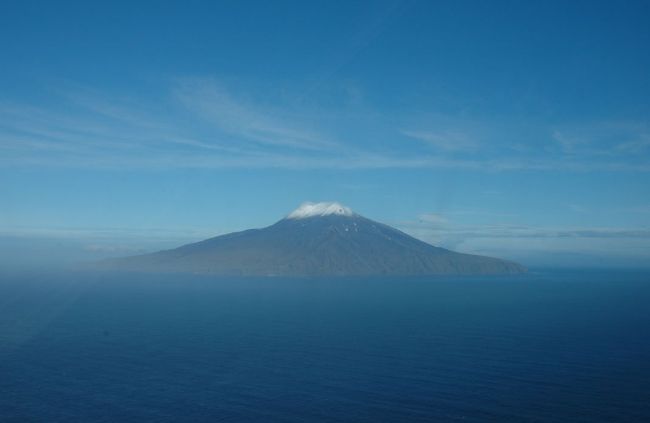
(539, 245)
(450, 141)
(261, 160)
(102, 133)
(214, 104)
(111, 234)
(125, 110)
(604, 139)
(89, 136)
(570, 252)
(641, 209)
(430, 224)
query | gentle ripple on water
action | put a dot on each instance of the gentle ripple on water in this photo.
(545, 347)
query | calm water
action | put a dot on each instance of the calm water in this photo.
(545, 347)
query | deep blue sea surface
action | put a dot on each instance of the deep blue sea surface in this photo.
(563, 346)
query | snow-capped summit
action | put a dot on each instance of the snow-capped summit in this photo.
(320, 209)
(322, 239)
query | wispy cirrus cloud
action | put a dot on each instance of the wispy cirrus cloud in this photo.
(199, 123)
(449, 140)
(212, 102)
(595, 245)
(617, 138)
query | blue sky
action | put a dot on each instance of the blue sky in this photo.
(506, 128)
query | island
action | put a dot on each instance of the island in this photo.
(317, 239)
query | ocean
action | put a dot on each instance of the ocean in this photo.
(548, 346)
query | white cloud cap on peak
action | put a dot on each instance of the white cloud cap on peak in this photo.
(320, 209)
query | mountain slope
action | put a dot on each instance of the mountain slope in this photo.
(321, 239)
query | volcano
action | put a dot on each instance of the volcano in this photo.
(322, 239)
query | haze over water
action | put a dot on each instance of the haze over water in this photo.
(543, 347)
(513, 130)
